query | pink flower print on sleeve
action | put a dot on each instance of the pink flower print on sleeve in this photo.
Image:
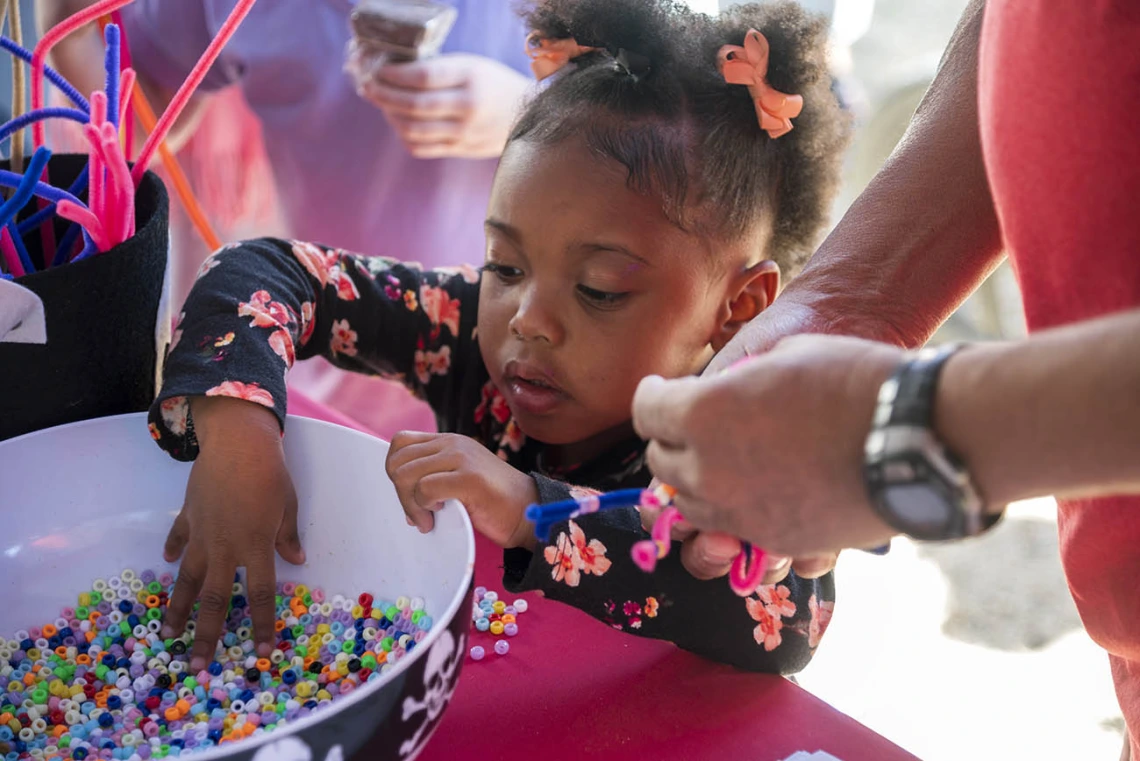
(313, 259)
(767, 631)
(820, 619)
(282, 344)
(777, 596)
(593, 552)
(326, 269)
(174, 411)
(343, 339)
(307, 322)
(264, 312)
(441, 309)
(567, 565)
(511, 440)
(429, 363)
(210, 263)
(492, 402)
(250, 392)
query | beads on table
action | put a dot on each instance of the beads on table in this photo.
(493, 615)
(101, 682)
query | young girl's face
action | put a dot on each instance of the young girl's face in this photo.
(587, 288)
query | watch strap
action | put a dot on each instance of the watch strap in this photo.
(915, 383)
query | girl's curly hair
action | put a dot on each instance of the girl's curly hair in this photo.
(651, 97)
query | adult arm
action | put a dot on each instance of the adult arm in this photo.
(1058, 413)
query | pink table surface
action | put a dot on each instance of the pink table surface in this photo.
(572, 688)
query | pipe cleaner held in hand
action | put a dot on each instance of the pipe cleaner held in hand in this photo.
(747, 569)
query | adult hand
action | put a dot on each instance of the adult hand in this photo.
(451, 106)
(240, 506)
(430, 468)
(709, 554)
(772, 452)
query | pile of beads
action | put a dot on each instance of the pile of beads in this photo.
(490, 614)
(100, 681)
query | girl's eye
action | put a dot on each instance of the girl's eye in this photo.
(505, 273)
(604, 299)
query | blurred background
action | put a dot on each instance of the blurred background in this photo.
(967, 651)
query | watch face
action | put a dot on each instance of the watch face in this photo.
(922, 509)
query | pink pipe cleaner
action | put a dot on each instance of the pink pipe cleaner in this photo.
(8, 250)
(96, 193)
(126, 85)
(49, 40)
(101, 191)
(124, 187)
(747, 568)
(182, 97)
(73, 213)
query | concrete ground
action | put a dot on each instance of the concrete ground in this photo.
(972, 651)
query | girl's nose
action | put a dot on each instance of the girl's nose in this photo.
(535, 319)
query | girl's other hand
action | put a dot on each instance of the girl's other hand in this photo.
(240, 506)
(430, 468)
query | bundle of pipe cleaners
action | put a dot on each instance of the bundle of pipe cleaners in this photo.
(747, 569)
(109, 181)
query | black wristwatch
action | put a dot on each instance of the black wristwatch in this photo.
(918, 486)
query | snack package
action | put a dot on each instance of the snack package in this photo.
(386, 31)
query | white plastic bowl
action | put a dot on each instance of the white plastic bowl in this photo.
(86, 500)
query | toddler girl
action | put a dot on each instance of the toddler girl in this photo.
(649, 200)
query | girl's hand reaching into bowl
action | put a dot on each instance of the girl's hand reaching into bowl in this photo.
(240, 507)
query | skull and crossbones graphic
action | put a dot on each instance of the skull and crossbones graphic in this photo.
(293, 749)
(440, 677)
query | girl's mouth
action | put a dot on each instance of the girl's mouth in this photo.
(530, 390)
(532, 397)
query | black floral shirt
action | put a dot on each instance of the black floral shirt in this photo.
(260, 305)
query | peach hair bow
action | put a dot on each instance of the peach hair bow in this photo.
(748, 66)
(548, 56)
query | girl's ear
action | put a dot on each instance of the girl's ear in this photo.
(751, 292)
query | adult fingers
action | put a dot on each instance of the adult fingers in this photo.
(191, 576)
(213, 602)
(814, 566)
(431, 74)
(777, 569)
(424, 104)
(680, 530)
(709, 554)
(177, 538)
(426, 132)
(661, 409)
(674, 466)
(429, 151)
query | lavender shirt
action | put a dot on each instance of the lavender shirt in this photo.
(343, 176)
